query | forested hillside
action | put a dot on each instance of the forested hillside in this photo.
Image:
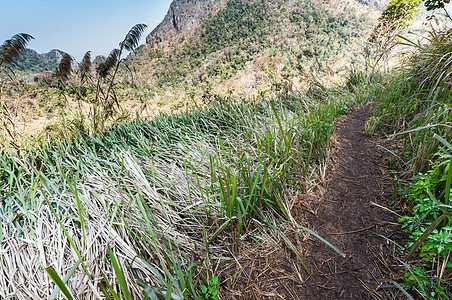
(261, 37)
(33, 62)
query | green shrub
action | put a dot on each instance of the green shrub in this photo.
(430, 231)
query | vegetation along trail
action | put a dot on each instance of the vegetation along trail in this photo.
(350, 216)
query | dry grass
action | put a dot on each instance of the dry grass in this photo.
(178, 199)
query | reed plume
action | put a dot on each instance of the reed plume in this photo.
(14, 47)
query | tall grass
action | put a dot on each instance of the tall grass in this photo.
(414, 111)
(155, 208)
(417, 102)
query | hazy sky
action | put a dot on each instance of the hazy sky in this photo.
(78, 26)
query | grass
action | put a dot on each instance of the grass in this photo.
(155, 208)
(414, 112)
(416, 104)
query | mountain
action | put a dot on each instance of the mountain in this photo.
(34, 62)
(182, 18)
(228, 45)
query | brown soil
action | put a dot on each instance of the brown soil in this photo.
(350, 216)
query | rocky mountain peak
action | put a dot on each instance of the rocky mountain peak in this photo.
(183, 16)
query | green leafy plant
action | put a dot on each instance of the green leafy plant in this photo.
(414, 111)
(210, 291)
(430, 287)
(430, 227)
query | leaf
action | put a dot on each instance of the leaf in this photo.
(443, 141)
(295, 250)
(203, 289)
(168, 292)
(214, 292)
(325, 241)
(59, 283)
(402, 290)
(426, 233)
(407, 266)
(104, 290)
(150, 294)
(448, 183)
(120, 275)
(55, 292)
(219, 230)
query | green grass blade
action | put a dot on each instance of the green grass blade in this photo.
(402, 290)
(59, 283)
(120, 275)
(448, 183)
(65, 279)
(443, 141)
(426, 233)
(150, 294)
(168, 292)
(293, 248)
(323, 240)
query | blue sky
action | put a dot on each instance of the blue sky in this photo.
(78, 26)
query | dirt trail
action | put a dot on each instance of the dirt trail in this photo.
(350, 218)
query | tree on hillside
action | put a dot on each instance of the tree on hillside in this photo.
(395, 18)
(437, 4)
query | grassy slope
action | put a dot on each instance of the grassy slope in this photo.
(174, 198)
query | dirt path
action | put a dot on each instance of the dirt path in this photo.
(350, 218)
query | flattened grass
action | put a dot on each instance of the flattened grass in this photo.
(155, 207)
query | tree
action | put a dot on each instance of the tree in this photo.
(395, 18)
(437, 4)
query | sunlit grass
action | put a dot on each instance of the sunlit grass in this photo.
(414, 112)
(416, 103)
(154, 208)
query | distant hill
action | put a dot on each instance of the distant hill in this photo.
(34, 62)
(235, 44)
